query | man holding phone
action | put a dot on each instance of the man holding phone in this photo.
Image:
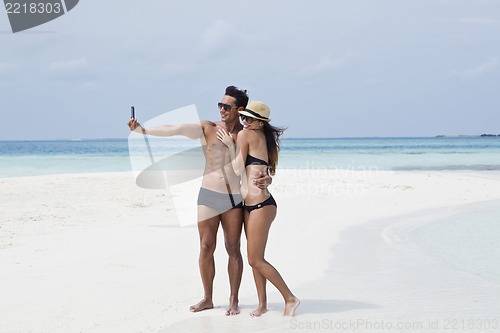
(219, 199)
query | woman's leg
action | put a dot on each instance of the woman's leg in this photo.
(257, 230)
(260, 282)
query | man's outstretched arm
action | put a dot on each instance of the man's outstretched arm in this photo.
(192, 131)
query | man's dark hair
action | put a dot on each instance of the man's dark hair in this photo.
(240, 95)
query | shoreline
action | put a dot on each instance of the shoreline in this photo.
(95, 253)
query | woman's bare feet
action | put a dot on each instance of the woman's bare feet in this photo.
(291, 306)
(259, 311)
(204, 304)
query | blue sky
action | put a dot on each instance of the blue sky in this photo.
(330, 68)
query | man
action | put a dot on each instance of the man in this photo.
(219, 199)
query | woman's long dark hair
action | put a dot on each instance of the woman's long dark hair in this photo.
(272, 135)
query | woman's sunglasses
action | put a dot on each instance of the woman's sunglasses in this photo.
(248, 119)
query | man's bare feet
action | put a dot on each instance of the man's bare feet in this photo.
(290, 307)
(233, 310)
(259, 311)
(204, 304)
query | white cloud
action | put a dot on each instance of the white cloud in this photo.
(374, 81)
(476, 2)
(69, 65)
(89, 86)
(217, 37)
(469, 73)
(178, 68)
(479, 20)
(326, 63)
(7, 66)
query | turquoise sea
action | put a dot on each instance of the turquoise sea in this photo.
(29, 158)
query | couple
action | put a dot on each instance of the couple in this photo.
(220, 200)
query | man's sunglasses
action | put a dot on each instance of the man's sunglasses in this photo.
(248, 119)
(226, 107)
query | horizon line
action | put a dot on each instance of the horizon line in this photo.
(285, 138)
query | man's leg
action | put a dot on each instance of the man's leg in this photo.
(232, 223)
(207, 230)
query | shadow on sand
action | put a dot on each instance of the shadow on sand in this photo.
(269, 322)
(324, 306)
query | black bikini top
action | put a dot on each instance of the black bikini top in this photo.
(254, 160)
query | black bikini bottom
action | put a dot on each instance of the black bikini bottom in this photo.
(268, 202)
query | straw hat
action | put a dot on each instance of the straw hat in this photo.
(257, 110)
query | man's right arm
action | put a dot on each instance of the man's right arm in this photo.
(192, 131)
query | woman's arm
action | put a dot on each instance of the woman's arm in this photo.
(238, 152)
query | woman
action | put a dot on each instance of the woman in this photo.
(257, 151)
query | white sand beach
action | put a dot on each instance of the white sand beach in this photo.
(96, 253)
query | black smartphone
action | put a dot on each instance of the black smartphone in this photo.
(132, 112)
